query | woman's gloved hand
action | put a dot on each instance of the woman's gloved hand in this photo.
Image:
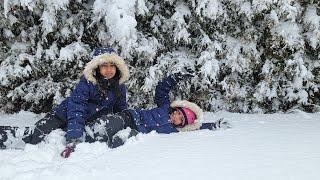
(70, 147)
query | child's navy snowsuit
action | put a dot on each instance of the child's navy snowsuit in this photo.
(157, 118)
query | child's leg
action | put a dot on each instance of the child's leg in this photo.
(43, 127)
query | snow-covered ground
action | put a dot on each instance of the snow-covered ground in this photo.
(257, 147)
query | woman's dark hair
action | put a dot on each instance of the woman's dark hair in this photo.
(108, 84)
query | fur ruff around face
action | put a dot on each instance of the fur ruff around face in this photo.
(194, 108)
(90, 68)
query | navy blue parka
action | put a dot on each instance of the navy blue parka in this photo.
(85, 102)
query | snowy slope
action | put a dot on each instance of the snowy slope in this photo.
(270, 147)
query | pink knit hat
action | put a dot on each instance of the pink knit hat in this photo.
(189, 115)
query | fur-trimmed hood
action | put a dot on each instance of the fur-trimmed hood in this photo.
(194, 108)
(90, 68)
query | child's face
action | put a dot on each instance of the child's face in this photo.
(176, 117)
(108, 70)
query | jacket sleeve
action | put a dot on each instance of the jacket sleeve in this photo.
(210, 126)
(77, 110)
(162, 90)
(121, 104)
(167, 129)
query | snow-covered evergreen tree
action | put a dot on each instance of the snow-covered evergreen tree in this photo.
(247, 55)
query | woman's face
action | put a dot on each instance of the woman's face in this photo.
(108, 70)
(176, 117)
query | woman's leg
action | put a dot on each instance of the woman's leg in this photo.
(10, 137)
(121, 137)
(43, 127)
(105, 127)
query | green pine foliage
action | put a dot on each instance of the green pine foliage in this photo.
(247, 55)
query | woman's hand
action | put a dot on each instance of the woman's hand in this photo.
(70, 147)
